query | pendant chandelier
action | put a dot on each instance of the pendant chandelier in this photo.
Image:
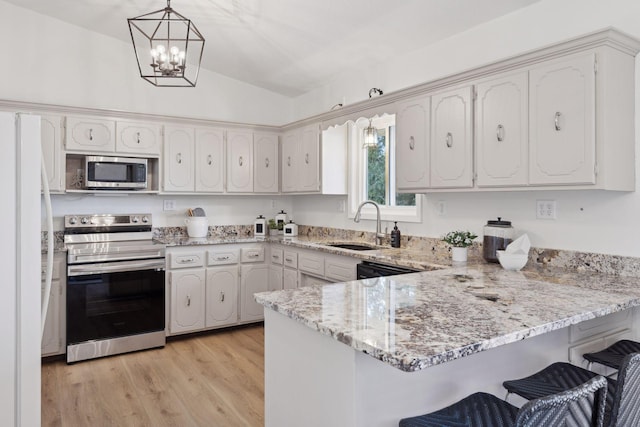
(370, 136)
(168, 48)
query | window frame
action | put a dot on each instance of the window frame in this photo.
(357, 179)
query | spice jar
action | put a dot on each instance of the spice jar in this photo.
(497, 235)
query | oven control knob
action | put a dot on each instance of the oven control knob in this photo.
(145, 219)
(73, 220)
(84, 220)
(135, 220)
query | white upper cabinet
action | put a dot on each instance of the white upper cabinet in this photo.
(51, 142)
(451, 145)
(178, 159)
(562, 122)
(301, 160)
(309, 161)
(239, 162)
(138, 138)
(209, 160)
(502, 131)
(90, 134)
(412, 144)
(289, 161)
(266, 169)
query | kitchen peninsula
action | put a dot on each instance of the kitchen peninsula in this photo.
(369, 352)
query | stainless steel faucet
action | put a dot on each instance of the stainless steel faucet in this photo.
(379, 234)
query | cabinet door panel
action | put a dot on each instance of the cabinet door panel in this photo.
(289, 279)
(412, 144)
(290, 142)
(138, 138)
(239, 162)
(254, 279)
(87, 134)
(502, 131)
(309, 160)
(451, 147)
(187, 300)
(562, 122)
(275, 277)
(209, 160)
(266, 163)
(222, 296)
(178, 159)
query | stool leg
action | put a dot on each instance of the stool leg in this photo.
(506, 398)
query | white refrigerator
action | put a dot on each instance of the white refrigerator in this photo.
(20, 219)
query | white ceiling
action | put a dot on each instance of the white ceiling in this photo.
(292, 46)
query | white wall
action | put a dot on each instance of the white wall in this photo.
(591, 221)
(220, 210)
(49, 61)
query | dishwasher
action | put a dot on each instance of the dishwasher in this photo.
(368, 269)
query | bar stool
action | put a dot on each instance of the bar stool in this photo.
(582, 405)
(612, 356)
(622, 407)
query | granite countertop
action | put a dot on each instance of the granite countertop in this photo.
(418, 320)
(419, 260)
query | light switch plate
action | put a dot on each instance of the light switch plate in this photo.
(169, 205)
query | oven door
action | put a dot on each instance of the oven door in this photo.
(115, 299)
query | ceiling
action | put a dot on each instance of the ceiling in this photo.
(292, 46)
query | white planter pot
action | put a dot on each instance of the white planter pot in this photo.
(458, 254)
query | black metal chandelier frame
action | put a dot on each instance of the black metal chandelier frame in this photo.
(156, 29)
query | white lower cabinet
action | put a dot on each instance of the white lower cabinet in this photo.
(276, 277)
(222, 296)
(254, 278)
(289, 278)
(54, 334)
(187, 300)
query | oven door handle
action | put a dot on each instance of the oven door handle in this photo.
(115, 267)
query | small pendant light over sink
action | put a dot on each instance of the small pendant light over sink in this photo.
(168, 48)
(370, 136)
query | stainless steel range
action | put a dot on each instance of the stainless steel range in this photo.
(115, 285)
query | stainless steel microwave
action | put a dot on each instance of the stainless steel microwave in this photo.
(116, 173)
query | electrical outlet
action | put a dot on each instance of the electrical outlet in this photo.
(342, 206)
(169, 205)
(441, 208)
(545, 209)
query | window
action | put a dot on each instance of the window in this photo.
(374, 178)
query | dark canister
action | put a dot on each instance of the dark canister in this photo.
(497, 235)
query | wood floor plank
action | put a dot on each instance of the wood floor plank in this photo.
(215, 379)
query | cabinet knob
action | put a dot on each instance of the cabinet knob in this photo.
(138, 137)
(209, 159)
(221, 296)
(412, 143)
(266, 162)
(90, 134)
(240, 160)
(306, 158)
(449, 140)
(289, 161)
(556, 120)
(179, 158)
(188, 301)
(500, 133)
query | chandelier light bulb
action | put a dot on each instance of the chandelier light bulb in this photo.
(154, 54)
(160, 48)
(174, 50)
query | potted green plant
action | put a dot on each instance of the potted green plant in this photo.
(271, 223)
(459, 241)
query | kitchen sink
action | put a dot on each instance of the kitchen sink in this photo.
(352, 246)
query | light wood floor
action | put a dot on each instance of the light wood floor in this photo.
(207, 380)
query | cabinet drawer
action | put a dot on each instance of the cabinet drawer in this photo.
(290, 259)
(194, 259)
(311, 264)
(600, 326)
(138, 137)
(252, 254)
(339, 271)
(277, 256)
(222, 256)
